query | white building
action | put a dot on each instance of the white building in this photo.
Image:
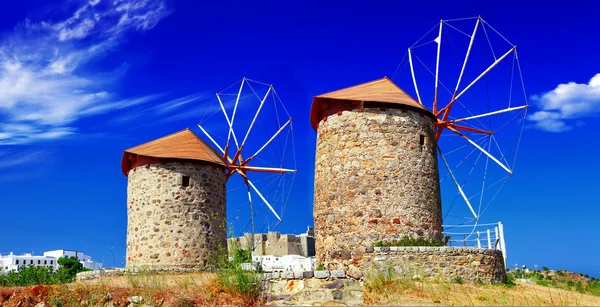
(50, 259)
(83, 258)
(275, 263)
(14, 262)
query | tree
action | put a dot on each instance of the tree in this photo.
(545, 269)
(69, 267)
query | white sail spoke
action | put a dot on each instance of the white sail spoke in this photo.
(502, 156)
(489, 114)
(268, 169)
(412, 71)
(211, 139)
(466, 56)
(460, 190)
(480, 148)
(438, 40)
(231, 132)
(264, 199)
(270, 140)
(226, 117)
(262, 102)
(485, 72)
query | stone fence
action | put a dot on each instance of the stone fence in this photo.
(446, 263)
(89, 275)
(314, 288)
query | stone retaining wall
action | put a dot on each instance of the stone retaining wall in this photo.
(89, 275)
(314, 288)
(446, 263)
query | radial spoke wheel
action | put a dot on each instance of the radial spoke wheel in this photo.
(252, 129)
(468, 75)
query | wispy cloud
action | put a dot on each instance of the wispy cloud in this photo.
(566, 105)
(165, 111)
(19, 158)
(47, 78)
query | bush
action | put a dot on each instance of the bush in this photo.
(545, 269)
(28, 276)
(409, 241)
(233, 278)
(42, 275)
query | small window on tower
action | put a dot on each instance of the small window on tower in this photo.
(185, 181)
(421, 140)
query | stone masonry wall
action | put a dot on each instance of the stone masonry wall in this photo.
(446, 263)
(170, 225)
(314, 288)
(374, 181)
(275, 243)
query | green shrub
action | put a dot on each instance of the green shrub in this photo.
(233, 278)
(545, 269)
(458, 280)
(28, 276)
(409, 241)
(42, 275)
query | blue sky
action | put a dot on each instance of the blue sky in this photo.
(82, 81)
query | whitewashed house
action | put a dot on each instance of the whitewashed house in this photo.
(86, 260)
(275, 263)
(12, 262)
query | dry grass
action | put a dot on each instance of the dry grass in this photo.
(192, 289)
(418, 293)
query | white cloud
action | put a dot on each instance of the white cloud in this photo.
(20, 158)
(46, 83)
(566, 105)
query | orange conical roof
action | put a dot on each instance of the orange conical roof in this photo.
(381, 90)
(184, 145)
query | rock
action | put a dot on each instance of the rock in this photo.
(298, 274)
(109, 296)
(338, 274)
(336, 284)
(337, 295)
(357, 294)
(355, 274)
(287, 275)
(308, 274)
(285, 297)
(40, 304)
(294, 285)
(333, 304)
(321, 274)
(135, 299)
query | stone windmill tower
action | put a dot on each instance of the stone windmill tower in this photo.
(376, 173)
(175, 202)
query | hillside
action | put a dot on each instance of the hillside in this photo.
(203, 289)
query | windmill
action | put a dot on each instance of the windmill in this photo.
(469, 76)
(254, 134)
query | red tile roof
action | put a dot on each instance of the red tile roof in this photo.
(183, 145)
(381, 90)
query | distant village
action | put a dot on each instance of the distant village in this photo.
(12, 262)
(274, 252)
